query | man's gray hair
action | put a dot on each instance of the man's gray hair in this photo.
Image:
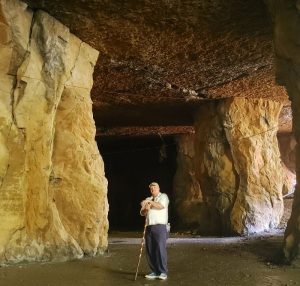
(153, 184)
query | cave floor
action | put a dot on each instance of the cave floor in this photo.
(192, 261)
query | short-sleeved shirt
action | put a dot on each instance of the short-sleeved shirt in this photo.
(156, 216)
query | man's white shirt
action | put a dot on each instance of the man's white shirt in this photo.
(156, 216)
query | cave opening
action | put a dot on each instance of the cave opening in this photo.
(131, 163)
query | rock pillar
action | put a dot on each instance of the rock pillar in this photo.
(287, 49)
(52, 186)
(237, 163)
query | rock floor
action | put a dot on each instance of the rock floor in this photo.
(192, 261)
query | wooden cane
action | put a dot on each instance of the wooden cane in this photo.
(141, 251)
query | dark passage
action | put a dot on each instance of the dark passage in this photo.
(131, 163)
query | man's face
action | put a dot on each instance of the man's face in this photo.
(154, 190)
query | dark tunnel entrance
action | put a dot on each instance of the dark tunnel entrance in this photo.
(131, 163)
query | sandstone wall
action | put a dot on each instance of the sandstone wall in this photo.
(235, 167)
(256, 156)
(214, 166)
(191, 210)
(287, 146)
(52, 186)
(286, 37)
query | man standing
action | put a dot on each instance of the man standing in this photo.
(155, 208)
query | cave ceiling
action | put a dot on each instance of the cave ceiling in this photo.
(160, 59)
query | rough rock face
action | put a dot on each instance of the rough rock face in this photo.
(285, 126)
(237, 163)
(46, 140)
(255, 152)
(287, 146)
(289, 181)
(158, 59)
(191, 210)
(287, 27)
(78, 180)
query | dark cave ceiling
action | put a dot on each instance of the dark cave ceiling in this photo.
(160, 59)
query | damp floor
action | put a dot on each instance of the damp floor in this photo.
(192, 261)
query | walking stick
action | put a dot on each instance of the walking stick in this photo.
(141, 251)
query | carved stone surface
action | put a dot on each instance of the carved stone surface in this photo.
(47, 140)
(227, 178)
(251, 128)
(237, 163)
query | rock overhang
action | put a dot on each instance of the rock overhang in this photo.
(160, 59)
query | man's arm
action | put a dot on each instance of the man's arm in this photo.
(149, 204)
(156, 205)
(161, 204)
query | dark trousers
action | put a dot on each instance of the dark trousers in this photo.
(156, 248)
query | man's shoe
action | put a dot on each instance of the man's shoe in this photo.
(163, 276)
(151, 276)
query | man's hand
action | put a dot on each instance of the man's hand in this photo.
(146, 205)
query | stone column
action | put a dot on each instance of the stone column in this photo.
(237, 163)
(77, 179)
(49, 161)
(287, 37)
